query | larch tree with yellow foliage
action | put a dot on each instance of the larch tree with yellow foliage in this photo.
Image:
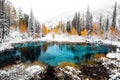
(73, 31)
(113, 29)
(99, 31)
(23, 24)
(94, 29)
(84, 32)
(56, 30)
(45, 31)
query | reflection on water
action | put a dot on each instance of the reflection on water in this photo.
(52, 53)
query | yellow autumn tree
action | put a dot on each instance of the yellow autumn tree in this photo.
(94, 29)
(37, 35)
(44, 29)
(84, 32)
(56, 30)
(73, 31)
(48, 30)
(23, 26)
(113, 30)
(99, 31)
(59, 28)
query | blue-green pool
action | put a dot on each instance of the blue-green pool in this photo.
(52, 53)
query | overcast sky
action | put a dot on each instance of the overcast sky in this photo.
(47, 9)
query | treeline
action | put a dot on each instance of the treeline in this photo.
(84, 25)
(10, 20)
(28, 24)
(5, 20)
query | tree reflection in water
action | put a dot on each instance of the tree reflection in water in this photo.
(53, 53)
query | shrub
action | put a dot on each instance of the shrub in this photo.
(71, 64)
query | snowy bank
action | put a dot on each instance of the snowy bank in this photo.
(113, 66)
(34, 69)
(5, 46)
(22, 72)
(113, 56)
(17, 38)
(68, 72)
(51, 37)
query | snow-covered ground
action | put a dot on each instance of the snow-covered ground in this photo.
(115, 72)
(16, 37)
(113, 56)
(4, 46)
(72, 73)
(113, 65)
(22, 72)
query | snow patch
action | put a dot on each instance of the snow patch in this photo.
(4, 46)
(69, 71)
(113, 56)
(113, 66)
(21, 72)
(33, 69)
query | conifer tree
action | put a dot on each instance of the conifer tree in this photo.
(31, 24)
(76, 22)
(4, 20)
(107, 24)
(114, 16)
(88, 20)
(100, 22)
(68, 27)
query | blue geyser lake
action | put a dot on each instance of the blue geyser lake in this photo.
(52, 53)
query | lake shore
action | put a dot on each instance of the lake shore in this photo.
(100, 69)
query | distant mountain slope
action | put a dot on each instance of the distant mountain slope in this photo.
(108, 12)
(64, 17)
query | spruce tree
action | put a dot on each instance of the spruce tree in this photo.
(4, 20)
(107, 24)
(114, 16)
(68, 27)
(100, 22)
(89, 19)
(76, 22)
(31, 24)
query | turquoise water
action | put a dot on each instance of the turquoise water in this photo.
(52, 53)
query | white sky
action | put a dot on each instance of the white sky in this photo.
(47, 9)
